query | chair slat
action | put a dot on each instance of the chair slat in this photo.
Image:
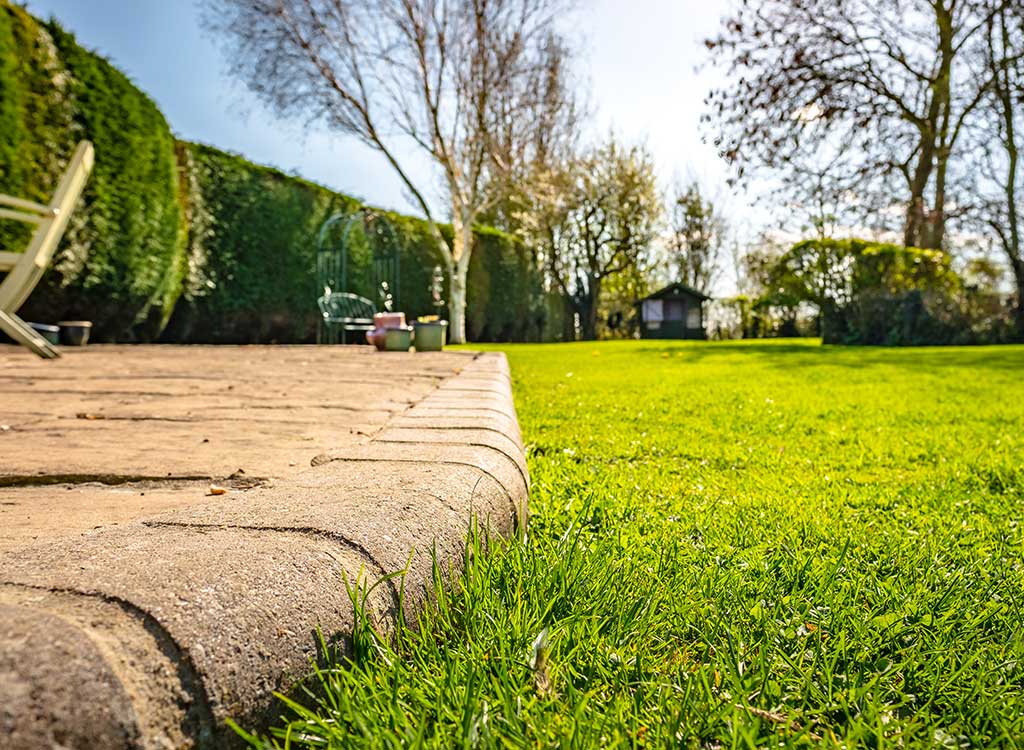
(39, 208)
(25, 270)
(6, 213)
(9, 260)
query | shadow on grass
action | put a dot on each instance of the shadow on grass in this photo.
(796, 354)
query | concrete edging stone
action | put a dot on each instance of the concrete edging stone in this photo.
(150, 635)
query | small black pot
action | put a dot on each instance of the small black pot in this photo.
(75, 332)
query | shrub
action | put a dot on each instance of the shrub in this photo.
(121, 261)
(871, 293)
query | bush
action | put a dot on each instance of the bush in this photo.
(872, 293)
(121, 262)
(252, 246)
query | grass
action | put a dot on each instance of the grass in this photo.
(733, 545)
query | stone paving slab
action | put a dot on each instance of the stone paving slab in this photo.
(139, 611)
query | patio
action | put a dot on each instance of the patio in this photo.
(176, 522)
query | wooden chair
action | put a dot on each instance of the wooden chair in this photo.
(345, 311)
(26, 268)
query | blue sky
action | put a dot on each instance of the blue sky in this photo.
(639, 56)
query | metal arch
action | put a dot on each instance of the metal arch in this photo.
(332, 256)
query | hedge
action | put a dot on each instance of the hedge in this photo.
(187, 243)
(122, 259)
(252, 246)
(870, 292)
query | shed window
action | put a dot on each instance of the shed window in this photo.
(693, 317)
(674, 309)
(653, 312)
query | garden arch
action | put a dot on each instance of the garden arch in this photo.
(370, 268)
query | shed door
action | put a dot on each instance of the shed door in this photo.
(674, 309)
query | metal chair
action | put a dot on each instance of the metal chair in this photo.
(25, 269)
(346, 312)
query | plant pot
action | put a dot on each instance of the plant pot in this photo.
(50, 333)
(430, 336)
(382, 322)
(398, 339)
(75, 332)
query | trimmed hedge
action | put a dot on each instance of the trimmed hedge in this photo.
(122, 260)
(191, 244)
(871, 293)
(252, 247)
(251, 251)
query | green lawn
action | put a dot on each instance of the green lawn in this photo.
(732, 545)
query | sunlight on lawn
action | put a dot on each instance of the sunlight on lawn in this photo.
(733, 544)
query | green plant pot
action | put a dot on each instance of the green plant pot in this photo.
(48, 332)
(430, 336)
(398, 339)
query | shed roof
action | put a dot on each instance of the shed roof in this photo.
(676, 288)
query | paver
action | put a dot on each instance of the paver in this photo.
(138, 611)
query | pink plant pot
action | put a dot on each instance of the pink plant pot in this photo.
(382, 322)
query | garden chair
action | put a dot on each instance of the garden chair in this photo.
(26, 268)
(345, 311)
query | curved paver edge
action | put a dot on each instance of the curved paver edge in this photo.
(153, 598)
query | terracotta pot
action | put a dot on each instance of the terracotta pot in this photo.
(382, 322)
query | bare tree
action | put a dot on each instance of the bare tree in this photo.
(696, 238)
(594, 217)
(888, 84)
(559, 110)
(1001, 138)
(457, 78)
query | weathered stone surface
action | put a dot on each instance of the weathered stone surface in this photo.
(182, 610)
(466, 419)
(243, 606)
(501, 442)
(56, 689)
(116, 649)
(152, 412)
(492, 462)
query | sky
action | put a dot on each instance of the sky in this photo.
(639, 57)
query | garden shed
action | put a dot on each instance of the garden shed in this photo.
(675, 312)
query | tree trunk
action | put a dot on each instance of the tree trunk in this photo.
(462, 246)
(568, 319)
(914, 227)
(944, 96)
(1012, 242)
(588, 311)
(1018, 275)
(920, 229)
(457, 312)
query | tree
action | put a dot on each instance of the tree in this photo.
(886, 88)
(1001, 137)
(696, 238)
(460, 80)
(593, 217)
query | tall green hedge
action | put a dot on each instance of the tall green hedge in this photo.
(188, 243)
(251, 252)
(252, 246)
(121, 261)
(871, 293)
